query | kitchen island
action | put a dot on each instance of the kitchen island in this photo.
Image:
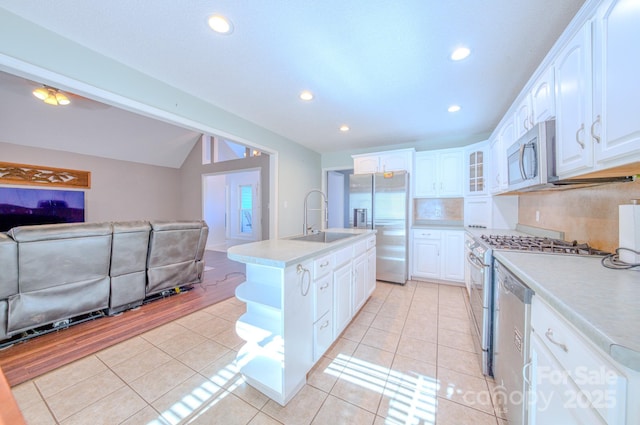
(300, 295)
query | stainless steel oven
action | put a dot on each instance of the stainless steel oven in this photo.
(479, 257)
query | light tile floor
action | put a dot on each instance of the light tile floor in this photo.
(406, 358)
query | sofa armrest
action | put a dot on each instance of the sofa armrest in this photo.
(8, 266)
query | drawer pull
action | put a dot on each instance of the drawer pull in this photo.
(325, 324)
(549, 335)
(325, 264)
(325, 286)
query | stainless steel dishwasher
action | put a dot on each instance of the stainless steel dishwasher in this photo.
(511, 326)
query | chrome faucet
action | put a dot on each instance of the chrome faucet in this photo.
(306, 211)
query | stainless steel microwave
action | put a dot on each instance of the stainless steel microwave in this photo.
(531, 159)
(532, 163)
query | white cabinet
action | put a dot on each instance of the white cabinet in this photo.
(571, 381)
(574, 150)
(537, 104)
(379, 162)
(556, 398)
(438, 254)
(543, 97)
(499, 144)
(425, 254)
(273, 316)
(476, 165)
(342, 291)
(439, 174)
(371, 267)
(453, 255)
(295, 313)
(615, 122)
(523, 117)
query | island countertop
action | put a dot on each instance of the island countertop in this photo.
(285, 252)
(604, 304)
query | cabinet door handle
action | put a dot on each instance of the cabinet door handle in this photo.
(325, 324)
(525, 123)
(593, 128)
(578, 136)
(549, 335)
(325, 286)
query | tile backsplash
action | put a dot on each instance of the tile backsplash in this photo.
(587, 214)
(440, 209)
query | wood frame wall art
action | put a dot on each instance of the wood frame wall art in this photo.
(37, 175)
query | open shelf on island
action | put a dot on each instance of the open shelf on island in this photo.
(261, 366)
(252, 292)
(257, 328)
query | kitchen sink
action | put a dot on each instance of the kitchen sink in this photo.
(324, 237)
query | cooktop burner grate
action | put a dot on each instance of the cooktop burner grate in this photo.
(540, 244)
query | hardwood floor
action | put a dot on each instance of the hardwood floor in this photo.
(29, 359)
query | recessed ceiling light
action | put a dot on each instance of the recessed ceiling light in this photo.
(454, 108)
(344, 128)
(220, 24)
(460, 53)
(306, 95)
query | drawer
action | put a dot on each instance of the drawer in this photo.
(342, 256)
(371, 243)
(323, 293)
(593, 373)
(322, 266)
(359, 248)
(322, 336)
(426, 234)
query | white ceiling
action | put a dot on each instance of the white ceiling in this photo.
(381, 67)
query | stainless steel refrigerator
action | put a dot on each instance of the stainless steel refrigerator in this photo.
(381, 201)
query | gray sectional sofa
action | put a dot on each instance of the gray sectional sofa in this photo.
(50, 274)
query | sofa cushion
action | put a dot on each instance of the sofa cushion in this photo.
(58, 254)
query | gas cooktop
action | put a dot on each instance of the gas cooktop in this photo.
(540, 244)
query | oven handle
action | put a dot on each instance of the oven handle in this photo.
(475, 261)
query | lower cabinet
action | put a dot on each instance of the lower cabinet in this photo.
(570, 381)
(342, 297)
(438, 254)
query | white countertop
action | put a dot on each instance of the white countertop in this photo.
(604, 304)
(282, 253)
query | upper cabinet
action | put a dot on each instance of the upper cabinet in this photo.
(574, 150)
(590, 86)
(523, 117)
(380, 162)
(616, 99)
(543, 99)
(476, 158)
(537, 105)
(498, 178)
(439, 174)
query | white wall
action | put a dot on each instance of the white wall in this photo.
(120, 190)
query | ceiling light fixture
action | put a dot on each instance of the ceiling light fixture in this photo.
(460, 53)
(454, 108)
(220, 24)
(51, 96)
(306, 95)
(344, 128)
